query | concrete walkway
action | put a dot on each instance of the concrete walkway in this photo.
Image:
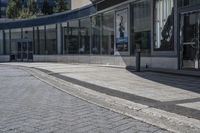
(176, 96)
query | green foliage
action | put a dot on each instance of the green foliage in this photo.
(14, 8)
(61, 6)
(24, 15)
(46, 8)
(17, 9)
(32, 7)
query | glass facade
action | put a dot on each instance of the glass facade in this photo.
(1, 43)
(7, 42)
(16, 36)
(164, 25)
(72, 38)
(182, 3)
(65, 37)
(108, 33)
(96, 34)
(114, 31)
(41, 42)
(27, 33)
(141, 27)
(85, 33)
(51, 39)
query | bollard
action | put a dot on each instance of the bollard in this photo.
(138, 60)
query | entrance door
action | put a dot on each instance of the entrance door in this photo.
(190, 40)
(24, 51)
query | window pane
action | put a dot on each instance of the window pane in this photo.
(51, 39)
(1, 42)
(122, 31)
(108, 33)
(65, 37)
(96, 21)
(188, 2)
(164, 31)
(142, 27)
(72, 39)
(15, 38)
(7, 41)
(41, 40)
(28, 33)
(85, 36)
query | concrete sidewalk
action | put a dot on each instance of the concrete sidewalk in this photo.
(175, 98)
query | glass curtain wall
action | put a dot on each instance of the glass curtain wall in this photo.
(85, 32)
(188, 2)
(108, 33)
(164, 27)
(16, 37)
(37, 40)
(40, 37)
(96, 34)
(51, 39)
(141, 29)
(28, 33)
(72, 38)
(7, 42)
(1, 43)
(65, 37)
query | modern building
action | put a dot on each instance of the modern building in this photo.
(167, 32)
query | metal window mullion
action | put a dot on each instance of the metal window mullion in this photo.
(33, 40)
(45, 40)
(101, 34)
(9, 41)
(91, 35)
(79, 36)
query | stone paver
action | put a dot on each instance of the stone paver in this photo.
(28, 105)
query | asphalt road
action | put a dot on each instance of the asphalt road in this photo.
(28, 105)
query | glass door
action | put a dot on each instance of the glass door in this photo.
(19, 51)
(24, 50)
(190, 35)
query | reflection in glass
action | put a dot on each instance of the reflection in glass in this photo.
(72, 38)
(141, 27)
(28, 34)
(96, 22)
(188, 2)
(1, 43)
(65, 37)
(122, 40)
(16, 37)
(190, 36)
(51, 39)
(164, 33)
(41, 40)
(108, 34)
(7, 42)
(85, 36)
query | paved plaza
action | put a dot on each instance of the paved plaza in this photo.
(168, 101)
(29, 105)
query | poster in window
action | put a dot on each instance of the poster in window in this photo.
(122, 30)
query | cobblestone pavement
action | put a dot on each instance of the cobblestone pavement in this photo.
(29, 105)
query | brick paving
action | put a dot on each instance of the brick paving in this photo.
(28, 105)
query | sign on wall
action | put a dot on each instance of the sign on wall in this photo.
(122, 30)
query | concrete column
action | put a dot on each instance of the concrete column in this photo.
(59, 39)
